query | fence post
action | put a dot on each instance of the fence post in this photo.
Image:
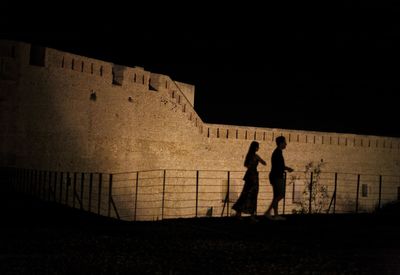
(67, 188)
(40, 184)
(110, 181)
(74, 191)
(55, 186)
(311, 188)
(82, 184)
(44, 179)
(61, 185)
(136, 195)
(99, 194)
(334, 195)
(284, 198)
(163, 195)
(380, 191)
(197, 190)
(49, 183)
(358, 189)
(90, 191)
(31, 181)
(228, 194)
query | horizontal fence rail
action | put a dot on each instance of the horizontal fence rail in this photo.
(165, 194)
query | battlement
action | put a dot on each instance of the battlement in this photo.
(83, 113)
(296, 136)
(23, 54)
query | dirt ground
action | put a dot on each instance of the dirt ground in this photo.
(43, 238)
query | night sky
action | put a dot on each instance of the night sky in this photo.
(316, 67)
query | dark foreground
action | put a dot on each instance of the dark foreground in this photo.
(39, 238)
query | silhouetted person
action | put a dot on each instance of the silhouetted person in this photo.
(247, 201)
(276, 177)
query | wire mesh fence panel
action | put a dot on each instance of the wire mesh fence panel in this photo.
(346, 196)
(179, 194)
(149, 195)
(264, 192)
(368, 193)
(390, 189)
(212, 193)
(123, 194)
(174, 193)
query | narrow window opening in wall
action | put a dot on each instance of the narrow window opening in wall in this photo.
(314, 140)
(37, 56)
(237, 134)
(227, 133)
(73, 64)
(91, 68)
(82, 66)
(143, 79)
(184, 108)
(13, 51)
(255, 135)
(173, 94)
(245, 135)
(273, 136)
(364, 190)
(166, 84)
(151, 88)
(195, 123)
(93, 95)
(217, 132)
(117, 75)
(134, 78)
(130, 99)
(179, 99)
(62, 62)
(264, 136)
(101, 70)
(290, 137)
(208, 132)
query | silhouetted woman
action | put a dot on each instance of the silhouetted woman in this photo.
(247, 201)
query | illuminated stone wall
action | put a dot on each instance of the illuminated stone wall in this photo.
(65, 112)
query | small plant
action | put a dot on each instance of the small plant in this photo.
(319, 192)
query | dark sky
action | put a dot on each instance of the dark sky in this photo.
(316, 67)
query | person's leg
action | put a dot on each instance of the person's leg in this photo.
(275, 206)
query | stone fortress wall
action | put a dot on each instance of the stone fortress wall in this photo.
(65, 112)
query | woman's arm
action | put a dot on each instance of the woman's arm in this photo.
(261, 160)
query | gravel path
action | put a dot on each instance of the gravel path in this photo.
(41, 238)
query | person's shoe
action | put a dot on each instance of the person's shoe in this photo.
(268, 216)
(253, 219)
(279, 218)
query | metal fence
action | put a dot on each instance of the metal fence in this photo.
(164, 194)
